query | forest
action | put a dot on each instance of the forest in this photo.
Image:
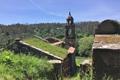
(8, 33)
(27, 66)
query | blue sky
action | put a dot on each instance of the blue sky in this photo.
(37, 11)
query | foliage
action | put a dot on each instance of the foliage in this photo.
(23, 67)
(49, 30)
(86, 27)
(58, 51)
(60, 36)
(77, 77)
(8, 33)
(85, 45)
(79, 59)
(11, 66)
(107, 77)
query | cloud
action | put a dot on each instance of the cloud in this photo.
(44, 10)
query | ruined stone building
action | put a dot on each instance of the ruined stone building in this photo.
(106, 51)
(62, 58)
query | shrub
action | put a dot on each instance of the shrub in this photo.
(85, 45)
(23, 67)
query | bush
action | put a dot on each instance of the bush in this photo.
(23, 67)
(85, 45)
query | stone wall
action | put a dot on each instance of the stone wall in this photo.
(20, 46)
(69, 66)
(106, 62)
(108, 27)
(67, 63)
(106, 51)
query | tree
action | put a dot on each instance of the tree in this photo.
(85, 45)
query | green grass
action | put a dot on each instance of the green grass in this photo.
(57, 51)
(22, 67)
(80, 60)
(85, 45)
(75, 77)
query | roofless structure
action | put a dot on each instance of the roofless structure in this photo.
(62, 58)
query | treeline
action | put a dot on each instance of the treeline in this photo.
(58, 30)
(8, 33)
(86, 27)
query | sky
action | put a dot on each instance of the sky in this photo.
(48, 11)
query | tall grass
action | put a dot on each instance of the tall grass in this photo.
(23, 67)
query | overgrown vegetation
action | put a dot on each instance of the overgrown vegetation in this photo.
(60, 52)
(22, 67)
(85, 45)
(8, 33)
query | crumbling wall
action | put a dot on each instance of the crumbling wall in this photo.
(66, 67)
(69, 66)
(108, 27)
(19, 47)
(52, 40)
(106, 51)
(106, 62)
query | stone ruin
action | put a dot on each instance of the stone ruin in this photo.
(66, 65)
(54, 41)
(106, 51)
(108, 27)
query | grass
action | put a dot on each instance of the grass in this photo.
(80, 60)
(75, 77)
(107, 38)
(23, 67)
(57, 51)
